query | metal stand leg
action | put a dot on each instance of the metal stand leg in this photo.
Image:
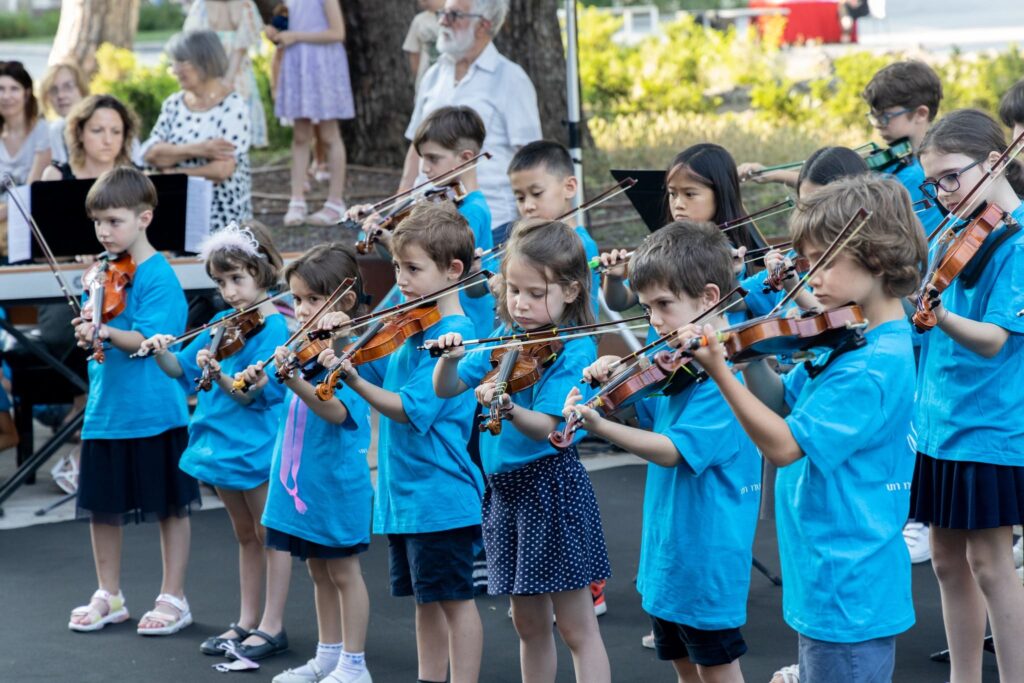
(777, 580)
(29, 467)
(53, 506)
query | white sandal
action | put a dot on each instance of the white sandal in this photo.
(788, 674)
(171, 624)
(116, 612)
(296, 215)
(323, 219)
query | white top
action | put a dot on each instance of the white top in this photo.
(503, 95)
(20, 165)
(422, 39)
(58, 148)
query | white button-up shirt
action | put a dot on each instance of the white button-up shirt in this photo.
(502, 94)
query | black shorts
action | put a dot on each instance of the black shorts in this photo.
(306, 550)
(706, 648)
(434, 566)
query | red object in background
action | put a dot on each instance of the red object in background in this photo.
(808, 20)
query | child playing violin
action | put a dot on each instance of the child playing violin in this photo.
(319, 499)
(701, 499)
(447, 138)
(969, 476)
(231, 434)
(837, 430)
(135, 417)
(542, 526)
(428, 489)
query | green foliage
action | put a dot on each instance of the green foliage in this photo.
(142, 88)
(278, 136)
(167, 16)
(28, 25)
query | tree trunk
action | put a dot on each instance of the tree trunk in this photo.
(86, 24)
(381, 82)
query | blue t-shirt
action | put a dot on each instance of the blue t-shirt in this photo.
(968, 406)
(590, 246)
(480, 310)
(320, 488)
(700, 516)
(229, 445)
(911, 177)
(841, 508)
(132, 399)
(511, 449)
(426, 480)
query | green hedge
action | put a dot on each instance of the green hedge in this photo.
(13, 25)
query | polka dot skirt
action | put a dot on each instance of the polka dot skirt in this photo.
(542, 528)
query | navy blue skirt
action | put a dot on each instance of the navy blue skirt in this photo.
(966, 495)
(542, 528)
(135, 480)
(304, 550)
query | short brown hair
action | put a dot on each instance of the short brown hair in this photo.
(556, 250)
(907, 84)
(454, 128)
(51, 75)
(974, 134)
(441, 231)
(326, 266)
(1011, 106)
(890, 245)
(683, 257)
(263, 267)
(80, 115)
(124, 187)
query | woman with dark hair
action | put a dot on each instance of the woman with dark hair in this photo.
(98, 135)
(25, 151)
(827, 165)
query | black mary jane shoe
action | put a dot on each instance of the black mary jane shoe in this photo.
(273, 645)
(214, 645)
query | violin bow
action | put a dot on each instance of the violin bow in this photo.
(541, 335)
(520, 342)
(783, 206)
(51, 260)
(440, 181)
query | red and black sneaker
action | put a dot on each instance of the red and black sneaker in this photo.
(597, 592)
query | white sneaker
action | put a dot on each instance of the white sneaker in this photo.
(916, 536)
(1018, 552)
(310, 673)
(648, 641)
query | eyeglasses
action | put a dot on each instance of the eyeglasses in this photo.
(453, 16)
(882, 120)
(947, 183)
(68, 87)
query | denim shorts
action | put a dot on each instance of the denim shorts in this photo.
(434, 566)
(869, 661)
(705, 648)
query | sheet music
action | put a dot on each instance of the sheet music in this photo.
(197, 211)
(19, 232)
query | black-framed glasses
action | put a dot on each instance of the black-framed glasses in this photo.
(947, 183)
(882, 120)
(454, 15)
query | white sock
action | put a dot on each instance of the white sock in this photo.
(327, 655)
(351, 665)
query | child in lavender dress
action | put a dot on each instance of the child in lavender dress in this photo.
(314, 90)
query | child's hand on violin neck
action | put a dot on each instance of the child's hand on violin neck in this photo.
(451, 344)
(252, 375)
(600, 370)
(205, 358)
(84, 332)
(702, 343)
(775, 259)
(574, 405)
(156, 344)
(614, 263)
(334, 321)
(485, 393)
(738, 255)
(282, 354)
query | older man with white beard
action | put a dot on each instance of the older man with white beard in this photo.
(471, 72)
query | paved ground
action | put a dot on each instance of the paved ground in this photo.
(45, 570)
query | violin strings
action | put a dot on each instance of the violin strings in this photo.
(520, 342)
(540, 334)
(192, 334)
(462, 284)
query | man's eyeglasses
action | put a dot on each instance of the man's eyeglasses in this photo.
(947, 183)
(453, 16)
(882, 120)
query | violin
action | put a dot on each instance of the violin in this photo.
(899, 152)
(785, 270)
(454, 192)
(514, 369)
(382, 338)
(227, 340)
(304, 354)
(107, 280)
(777, 335)
(666, 373)
(954, 259)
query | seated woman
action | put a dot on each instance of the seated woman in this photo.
(204, 129)
(98, 136)
(62, 87)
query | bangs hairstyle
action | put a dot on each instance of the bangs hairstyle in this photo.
(16, 70)
(46, 84)
(439, 230)
(454, 128)
(1011, 106)
(974, 134)
(555, 250)
(264, 267)
(907, 84)
(683, 257)
(80, 115)
(713, 167)
(202, 49)
(124, 187)
(326, 266)
(891, 243)
(829, 164)
(551, 155)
